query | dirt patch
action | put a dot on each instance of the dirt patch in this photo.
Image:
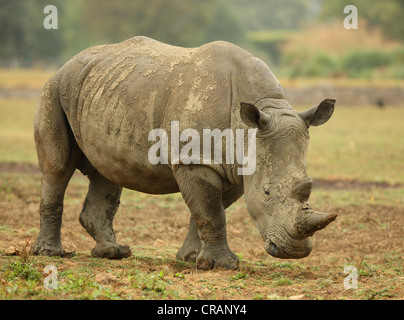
(361, 236)
(347, 96)
(353, 185)
(21, 93)
(12, 167)
(369, 237)
(366, 230)
(358, 231)
(163, 222)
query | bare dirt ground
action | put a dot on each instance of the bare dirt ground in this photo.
(369, 237)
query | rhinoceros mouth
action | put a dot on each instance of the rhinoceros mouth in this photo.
(288, 249)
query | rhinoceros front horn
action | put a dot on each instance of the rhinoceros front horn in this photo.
(311, 221)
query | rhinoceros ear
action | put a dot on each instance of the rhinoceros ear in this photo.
(253, 117)
(319, 115)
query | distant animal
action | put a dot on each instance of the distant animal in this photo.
(380, 103)
(95, 114)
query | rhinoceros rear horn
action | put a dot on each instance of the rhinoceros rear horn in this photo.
(320, 114)
(311, 221)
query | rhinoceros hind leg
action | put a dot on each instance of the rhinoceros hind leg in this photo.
(97, 216)
(53, 186)
(57, 158)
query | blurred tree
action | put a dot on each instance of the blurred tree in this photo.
(273, 14)
(23, 37)
(224, 24)
(177, 22)
(75, 35)
(83, 23)
(387, 15)
(46, 44)
(14, 30)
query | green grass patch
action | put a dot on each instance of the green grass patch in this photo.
(359, 143)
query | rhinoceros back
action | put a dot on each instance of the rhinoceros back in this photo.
(114, 95)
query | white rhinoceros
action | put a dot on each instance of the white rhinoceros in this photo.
(96, 115)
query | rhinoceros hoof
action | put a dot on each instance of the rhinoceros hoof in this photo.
(111, 251)
(47, 251)
(188, 252)
(188, 255)
(224, 261)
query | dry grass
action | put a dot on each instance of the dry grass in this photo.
(23, 78)
(16, 127)
(335, 40)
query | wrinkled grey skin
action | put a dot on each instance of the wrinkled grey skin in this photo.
(95, 115)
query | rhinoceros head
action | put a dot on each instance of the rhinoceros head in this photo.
(277, 193)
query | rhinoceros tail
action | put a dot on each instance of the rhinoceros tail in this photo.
(51, 130)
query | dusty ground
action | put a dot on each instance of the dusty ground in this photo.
(369, 237)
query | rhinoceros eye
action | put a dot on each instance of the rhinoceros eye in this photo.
(266, 191)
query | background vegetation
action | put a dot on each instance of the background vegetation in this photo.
(298, 38)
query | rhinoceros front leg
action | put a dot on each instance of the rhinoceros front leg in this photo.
(192, 244)
(97, 216)
(201, 189)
